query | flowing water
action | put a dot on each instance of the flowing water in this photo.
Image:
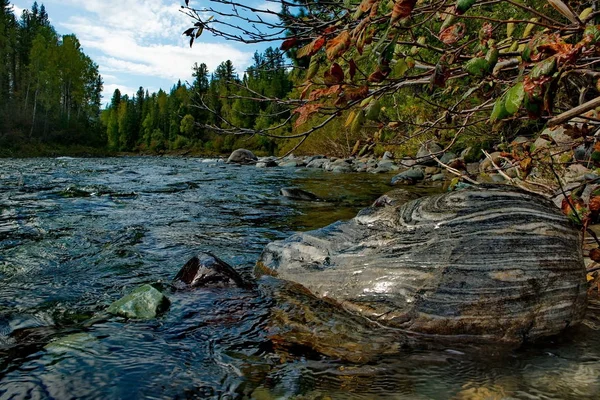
(77, 234)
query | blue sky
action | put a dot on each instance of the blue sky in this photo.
(139, 42)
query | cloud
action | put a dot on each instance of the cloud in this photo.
(269, 6)
(17, 11)
(143, 38)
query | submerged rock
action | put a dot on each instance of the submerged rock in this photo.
(298, 194)
(208, 271)
(145, 302)
(242, 156)
(496, 265)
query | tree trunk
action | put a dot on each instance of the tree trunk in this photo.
(34, 110)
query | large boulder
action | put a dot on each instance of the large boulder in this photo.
(242, 156)
(488, 265)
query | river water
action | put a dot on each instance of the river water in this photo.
(77, 234)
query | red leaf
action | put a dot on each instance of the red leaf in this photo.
(306, 111)
(288, 44)
(452, 34)
(352, 69)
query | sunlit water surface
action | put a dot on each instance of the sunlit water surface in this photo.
(77, 234)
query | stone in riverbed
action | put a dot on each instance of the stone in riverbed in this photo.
(242, 156)
(208, 271)
(496, 265)
(145, 302)
(409, 176)
(298, 194)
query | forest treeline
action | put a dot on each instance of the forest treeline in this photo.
(50, 90)
(50, 99)
(189, 115)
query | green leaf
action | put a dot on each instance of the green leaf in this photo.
(477, 67)
(543, 68)
(373, 109)
(358, 122)
(463, 5)
(492, 57)
(400, 68)
(499, 110)
(514, 98)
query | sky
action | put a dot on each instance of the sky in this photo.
(139, 42)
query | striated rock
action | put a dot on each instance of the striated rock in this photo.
(209, 271)
(242, 156)
(488, 265)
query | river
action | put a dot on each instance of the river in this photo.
(77, 234)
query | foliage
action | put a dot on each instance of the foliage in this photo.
(49, 89)
(473, 63)
(190, 117)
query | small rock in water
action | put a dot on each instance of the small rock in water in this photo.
(242, 156)
(298, 194)
(206, 270)
(145, 302)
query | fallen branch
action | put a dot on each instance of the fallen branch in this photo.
(574, 112)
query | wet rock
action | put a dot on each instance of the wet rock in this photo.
(242, 156)
(576, 173)
(409, 176)
(387, 156)
(581, 153)
(487, 166)
(438, 177)
(448, 157)
(145, 302)
(424, 154)
(317, 163)
(308, 160)
(473, 168)
(298, 194)
(540, 143)
(395, 197)
(481, 265)
(558, 136)
(208, 271)
(266, 162)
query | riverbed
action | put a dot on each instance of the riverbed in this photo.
(77, 234)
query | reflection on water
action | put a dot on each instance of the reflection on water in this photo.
(76, 234)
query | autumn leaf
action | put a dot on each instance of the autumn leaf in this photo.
(366, 5)
(595, 204)
(595, 255)
(338, 45)
(377, 76)
(311, 48)
(452, 34)
(288, 44)
(306, 111)
(320, 93)
(354, 93)
(352, 69)
(402, 9)
(334, 75)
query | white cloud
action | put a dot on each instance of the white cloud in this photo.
(17, 11)
(269, 6)
(143, 38)
(123, 53)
